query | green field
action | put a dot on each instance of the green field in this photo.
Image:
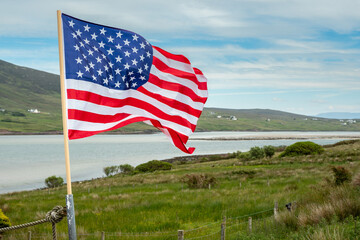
(157, 205)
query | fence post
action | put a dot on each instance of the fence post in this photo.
(29, 235)
(250, 224)
(103, 235)
(180, 234)
(223, 229)
(276, 209)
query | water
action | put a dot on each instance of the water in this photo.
(26, 161)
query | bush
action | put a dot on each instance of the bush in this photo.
(153, 165)
(126, 168)
(341, 175)
(110, 170)
(302, 148)
(256, 153)
(244, 156)
(4, 220)
(269, 151)
(198, 180)
(53, 181)
(17, 114)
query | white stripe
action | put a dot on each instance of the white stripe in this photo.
(136, 112)
(201, 78)
(118, 94)
(174, 79)
(173, 63)
(174, 95)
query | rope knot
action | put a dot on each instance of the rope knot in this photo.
(56, 214)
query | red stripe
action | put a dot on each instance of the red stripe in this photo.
(197, 71)
(76, 134)
(175, 57)
(176, 87)
(111, 102)
(178, 73)
(171, 102)
(178, 139)
(95, 118)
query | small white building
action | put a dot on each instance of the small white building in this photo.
(233, 118)
(218, 116)
(34, 110)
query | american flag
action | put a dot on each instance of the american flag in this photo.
(115, 77)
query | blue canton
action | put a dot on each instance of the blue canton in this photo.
(114, 58)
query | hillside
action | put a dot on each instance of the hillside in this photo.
(24, 88)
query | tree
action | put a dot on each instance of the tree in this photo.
(269, 151)
(110, 170)
(256, 153)
(53, 181)
(126, 168)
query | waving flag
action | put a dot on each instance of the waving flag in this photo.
(115, 77)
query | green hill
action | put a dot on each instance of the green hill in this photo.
(24, 88)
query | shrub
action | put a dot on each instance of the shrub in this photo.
(53, 181)
(18, 114)
(126, 168)
(269, 151)
(302, 148)
(256, 153)
(110, 170)
(4, 220)
(244, 156)
(153, 165)
(198, 180)
(341, 175)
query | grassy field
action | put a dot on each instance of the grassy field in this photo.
(157, 205)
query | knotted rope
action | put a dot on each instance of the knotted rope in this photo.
(54, 216)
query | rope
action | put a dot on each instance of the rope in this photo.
(54, 216)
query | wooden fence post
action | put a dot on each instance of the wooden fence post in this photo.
(276, 209)
(102, 235)
(223, 229)
(29, 235)
(180, 234)
(250, 224)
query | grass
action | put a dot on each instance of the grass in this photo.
(156, 205)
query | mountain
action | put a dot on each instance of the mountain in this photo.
(24, 88)
(340, 115)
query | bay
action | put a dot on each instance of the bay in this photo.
(26, 161)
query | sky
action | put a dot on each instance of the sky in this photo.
(299, 56)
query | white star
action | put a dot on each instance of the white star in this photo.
(103, 55)
(142, 45)
(148, 54)
(102, 31)
(87, 69)
(132, 79)
(94, 78)
(134, 62)
(100, 72)
(123, 78)
(142, 78)
(91, 65)
(71, 23)
(95, 48)
(101, 44)
(87, 28)
(146, 67)
(78, 60)
(127, 84)
(118, 59)
(74, 35)
(147, 43)
(84, 56)
(79, 74)
(142, 58)
(93, 36)
(86, 41)
(81, 44)
(135, 50)
(135, 37)
(119, 34)
(140, 70)
(111, 77)
(106, 81)
(77, 48)
(126, 42)
(118, 46)
(90, 52)
(106, 68)
(98, 59)
(78, 32)
(134, 84)
(110, 39)
(110, 51)
(127, 66)
(117, 84)
(117, 71)
(127, 54)
(130, 73)
(111, 64)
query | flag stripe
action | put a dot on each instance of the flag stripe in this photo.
(186, 67)
(175, 57)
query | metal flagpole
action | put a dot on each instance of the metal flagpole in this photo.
(69, 196)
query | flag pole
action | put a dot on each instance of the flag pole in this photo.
(69, 196)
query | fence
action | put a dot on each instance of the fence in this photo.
(227, 228)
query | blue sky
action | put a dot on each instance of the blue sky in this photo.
(296, 56)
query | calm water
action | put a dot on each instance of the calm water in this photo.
(25, 161)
